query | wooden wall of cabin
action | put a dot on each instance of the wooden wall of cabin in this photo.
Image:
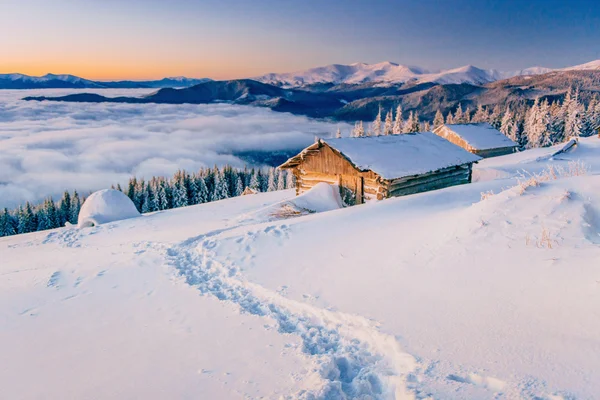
(327, 165)
(494, 152)
(435, 180)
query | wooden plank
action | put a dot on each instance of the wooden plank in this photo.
(426, 178)
(432, 185)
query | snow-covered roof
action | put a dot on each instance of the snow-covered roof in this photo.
(397, 156)
(480, 136)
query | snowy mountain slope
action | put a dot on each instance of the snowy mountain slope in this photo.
(438, 295)
(592, 65)
(391, 73)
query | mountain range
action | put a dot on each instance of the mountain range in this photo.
(52, 81)
(348, 97)
(388, 72)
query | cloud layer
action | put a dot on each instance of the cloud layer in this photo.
(48, 147)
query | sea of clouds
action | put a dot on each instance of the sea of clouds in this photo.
(48, 147)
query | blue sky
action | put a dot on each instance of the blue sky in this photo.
(240, 38)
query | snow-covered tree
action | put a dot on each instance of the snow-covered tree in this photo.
(480, 115)
(255, 181)
(411, 124)
(338, 133)
(220, 191)
(388, 127)
(359, 129)
(398, 122)
(507, 125)
(179, 191)
(449, 118)
(438, 120)
(7, 224)
(272, 181)
(281, 180)
(572, 111)
(75, 208)
(376, 126)
(459, 117)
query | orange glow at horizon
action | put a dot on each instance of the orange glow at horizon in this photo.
(135, 72)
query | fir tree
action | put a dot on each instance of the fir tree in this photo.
(398, 122)
(281, 180)
(376, 126)
(75, 208)
(7, 224)
(338, 133)
(388, 127)
(438, 120)
(290, 180)
(65, 208)
(272, 182)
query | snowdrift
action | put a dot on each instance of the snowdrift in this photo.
(106, 206)
(322, 197)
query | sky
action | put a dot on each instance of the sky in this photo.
(225, 39)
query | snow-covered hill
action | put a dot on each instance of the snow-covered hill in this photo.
(392, 73)
(445, 295)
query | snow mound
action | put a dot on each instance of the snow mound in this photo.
(322, 197)
(106, 206)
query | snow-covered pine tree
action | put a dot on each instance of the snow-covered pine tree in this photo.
(449, 118)
(255, 181)
(507, 125)
(398, 122)
(338, 133)
(7, 224)
(179, 191)
(411, 124)
(281, 180)
(220, 191)
(467, 115)
(438, 120)
(572, 112)
(531, 125)
(459, 117)
(495, 118)
(239, 186)
(202, 194)
(376, 126)
(272, 181)
(388, 126)
(64, 209)
(480, 115)
(360, 129)
(75, 207)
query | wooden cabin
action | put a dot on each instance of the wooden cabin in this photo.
(481, 139)
(379, 167)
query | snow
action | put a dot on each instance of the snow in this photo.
(392, 73)
(397, 156)
(481, 136)
(441, 295)
(106, 206)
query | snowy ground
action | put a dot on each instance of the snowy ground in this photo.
(438, 295)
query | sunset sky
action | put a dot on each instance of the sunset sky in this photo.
(221, 39)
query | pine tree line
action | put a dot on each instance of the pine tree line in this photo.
(540, 124)
(158, 193)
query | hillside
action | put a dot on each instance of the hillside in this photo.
(350, 102)
(446, 295)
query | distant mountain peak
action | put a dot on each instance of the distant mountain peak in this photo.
(394, 73)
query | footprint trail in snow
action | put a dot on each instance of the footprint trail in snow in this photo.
(355, 359)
